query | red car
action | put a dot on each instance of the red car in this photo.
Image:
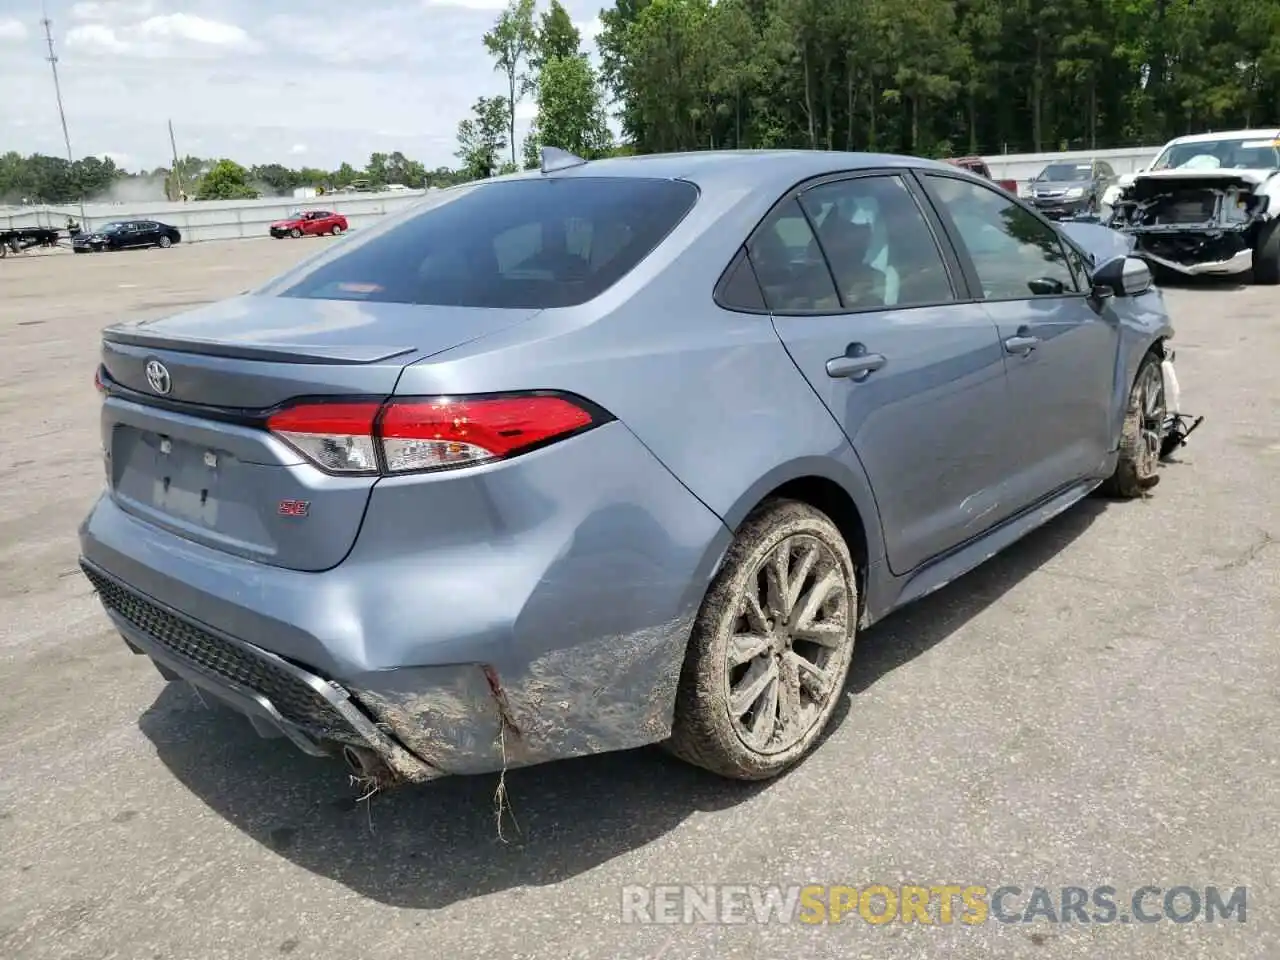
(979, 166)
(310, 223)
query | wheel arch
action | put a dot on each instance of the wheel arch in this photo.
(840, 491)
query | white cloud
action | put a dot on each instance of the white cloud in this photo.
(12, 29)
(184, 26)
(589, 29)
(467, 4)
(526, 110)
(113, 10)
(166, 36)
(251, 80)
(298, 149)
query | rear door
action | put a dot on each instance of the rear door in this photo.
(868, 303)
(1061, 351)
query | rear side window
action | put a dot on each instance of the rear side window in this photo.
(790, 266)
(531, 244)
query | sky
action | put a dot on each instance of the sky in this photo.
(299, 82)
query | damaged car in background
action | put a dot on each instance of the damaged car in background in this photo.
(1208, 205)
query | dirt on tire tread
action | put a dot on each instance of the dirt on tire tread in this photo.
(700, 733)
(1126, 483)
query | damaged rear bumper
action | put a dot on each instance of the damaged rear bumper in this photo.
(553, 628)
(280, 698)
(421, 723)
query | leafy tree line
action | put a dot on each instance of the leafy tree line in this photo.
(43, 179)
(938, 77)
(541, 58)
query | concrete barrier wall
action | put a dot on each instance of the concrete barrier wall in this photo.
(1022, 167)
(235, 219)
(215, 219)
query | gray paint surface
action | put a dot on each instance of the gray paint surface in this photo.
(571, 575)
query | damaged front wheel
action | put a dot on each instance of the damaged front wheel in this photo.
(1142, 436)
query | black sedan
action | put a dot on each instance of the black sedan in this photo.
(124, 234)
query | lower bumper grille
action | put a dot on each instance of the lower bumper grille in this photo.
(292, 697)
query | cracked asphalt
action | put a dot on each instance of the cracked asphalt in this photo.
(1097, 705)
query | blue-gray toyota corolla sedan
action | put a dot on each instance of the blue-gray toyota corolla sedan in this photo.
(611, 453)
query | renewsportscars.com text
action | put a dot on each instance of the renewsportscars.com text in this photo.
(934, 904)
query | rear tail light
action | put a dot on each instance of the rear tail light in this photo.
(438, 433)
(98, 383)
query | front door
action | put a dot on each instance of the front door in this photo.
(870, 313)
(1060, 349)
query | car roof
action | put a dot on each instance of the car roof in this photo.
(1268, 133)
(729, 169)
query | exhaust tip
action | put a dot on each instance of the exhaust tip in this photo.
(368, 766)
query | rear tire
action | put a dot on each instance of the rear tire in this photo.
(1140, 437)
(337, 230)
(164, 243)
(771, 646)
(1266, 254)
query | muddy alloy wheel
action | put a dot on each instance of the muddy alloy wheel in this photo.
(1142, 435)
(771, 647)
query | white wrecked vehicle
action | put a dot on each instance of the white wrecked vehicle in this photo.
(1208, 204)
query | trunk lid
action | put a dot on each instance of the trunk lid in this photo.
(195, 460)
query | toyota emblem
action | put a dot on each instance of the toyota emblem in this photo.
(158, 377)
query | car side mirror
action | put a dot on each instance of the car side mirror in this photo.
(1046, 286)
(1122, 277)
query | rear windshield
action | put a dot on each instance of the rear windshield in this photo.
(530, 243)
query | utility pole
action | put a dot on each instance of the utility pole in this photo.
(177, 173)
(57, 89)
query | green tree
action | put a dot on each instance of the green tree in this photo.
(482, 137)
(556, 37)
(344, 175)
(227, 180)
(510, 43)
(376, 170)
(613, 45)
(571, 112)
(277, 177)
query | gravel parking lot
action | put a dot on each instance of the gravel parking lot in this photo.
(1097, 706)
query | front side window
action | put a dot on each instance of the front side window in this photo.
(878, 243)
(1015, 255)
(529, 243)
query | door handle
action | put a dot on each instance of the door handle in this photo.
(1021, 346)
(857, 367)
